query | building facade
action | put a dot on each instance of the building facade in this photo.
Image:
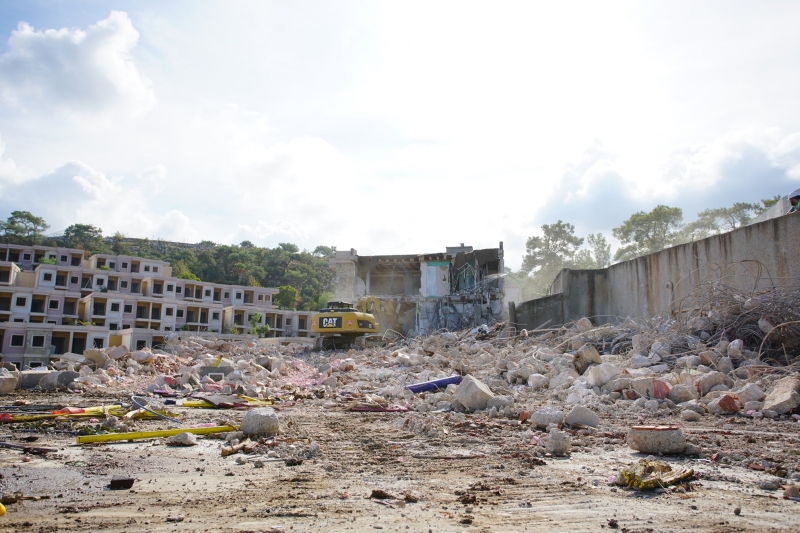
(55, 300)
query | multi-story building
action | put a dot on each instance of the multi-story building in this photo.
(54, 300)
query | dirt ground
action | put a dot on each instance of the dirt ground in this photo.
(499, 483)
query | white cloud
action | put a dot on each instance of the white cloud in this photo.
(75, 70)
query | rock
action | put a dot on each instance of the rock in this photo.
(724, 405)
(142, 356)
(585, 356)
(54, 380)
(8, 381)
(735, 349)
(617, 384)
(750, 393)
(690, 416)
(651, 405)
(183, 439)
(499, 402)
(725, 365)
(582, 415)
(546, 416)
(785, 395)
(331, 382)
(753, 406)
(640, 361)
(261, 421)
(583, 325)
(656, 439)
(765, 324)
(473, 394)
(558, 442)
(537, 381)
(643, 387)
(661, 348)
(699, 323)
(599, 375)
(564, 378)
(117, 352)
(706, 382)
(97, 356)
(681, 393)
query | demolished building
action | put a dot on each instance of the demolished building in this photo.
(417, 294)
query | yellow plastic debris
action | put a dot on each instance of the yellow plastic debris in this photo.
(649, 475)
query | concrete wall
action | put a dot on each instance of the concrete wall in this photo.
(758, 256)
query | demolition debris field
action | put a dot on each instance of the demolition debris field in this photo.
(672, 424)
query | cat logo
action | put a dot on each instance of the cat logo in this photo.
(330, 322)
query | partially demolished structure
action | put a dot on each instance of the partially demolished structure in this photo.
(420, 293)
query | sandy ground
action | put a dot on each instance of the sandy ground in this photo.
(503, 486)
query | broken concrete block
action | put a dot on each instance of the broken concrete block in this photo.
(690, 416)
(750, 393)
(546, 416)
(117, 352)
(599, 375)
(261, 421)
(735, 349)
(706, 382)
(564, 378)
(618, 384)
(96, 356)
(582, 415)
(473, 394)
(54, 380)
(142, 356)
(182, 439)
(643, 387)
(724, 405)
(583, 325)
(217, 373)
(8, 381)
(585, 356)
(656, 439)
(499, 402)
(537, 381)
(681, 393)
(785, 395)
(753, 406)
(558, 442)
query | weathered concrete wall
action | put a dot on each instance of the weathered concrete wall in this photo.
(756, 256)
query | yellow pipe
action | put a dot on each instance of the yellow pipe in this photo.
(133, 435)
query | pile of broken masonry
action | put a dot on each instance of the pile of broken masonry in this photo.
(575, 376)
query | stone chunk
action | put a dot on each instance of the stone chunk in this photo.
(499, 402)
(558, 442)
(582, 415)
(656, 439)
(8, 381)
(261, 421)
(750, 393)
(583, 325)
(182, 439)
(690, 416)
(785, 395)
(681, 393)
(54, 380)
(473, 394)
(706, 382)
(585, 356)
(599, 375)
(617, 384)
(537, 381)
(724, 405)
(546, 416)
(564, 378)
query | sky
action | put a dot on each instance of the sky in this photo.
(392, 127)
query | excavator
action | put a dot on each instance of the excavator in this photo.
(342, 325)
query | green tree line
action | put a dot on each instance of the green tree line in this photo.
(643, 233)
(303, 277)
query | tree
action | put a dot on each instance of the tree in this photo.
(322, 301)
(118, 245)
(545, 256)
(84, 236)
(645, 233)
(289, 247)
(712, 221)
(22, 227)
(768, 202)
(557, 246)
(324, 251)
(287, 297)
(255, 318)
(597, 256)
